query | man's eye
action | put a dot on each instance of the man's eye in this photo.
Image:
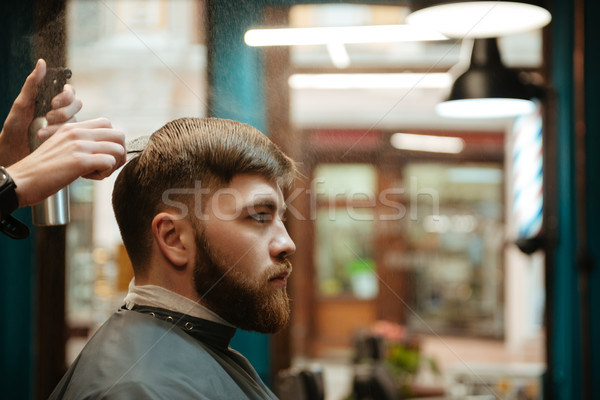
(260, 217)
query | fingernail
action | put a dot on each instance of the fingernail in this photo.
(38, 62)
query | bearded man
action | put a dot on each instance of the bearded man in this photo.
(200, 213)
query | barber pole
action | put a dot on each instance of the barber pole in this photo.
(527, 177)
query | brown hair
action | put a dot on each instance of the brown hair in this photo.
(181, 153)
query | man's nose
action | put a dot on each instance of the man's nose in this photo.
(282, 244)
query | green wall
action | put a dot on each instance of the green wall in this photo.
(566, 357)
(592, 88)
(565, 333)
(17, 274)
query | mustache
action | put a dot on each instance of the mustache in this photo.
(283, 266)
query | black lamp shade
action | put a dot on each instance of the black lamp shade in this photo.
(487, 89)
(487, 77)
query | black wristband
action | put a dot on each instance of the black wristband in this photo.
(9, 202)
(13, 228)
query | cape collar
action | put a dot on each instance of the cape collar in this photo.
(209, 332)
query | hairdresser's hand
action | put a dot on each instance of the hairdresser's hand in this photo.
(92, 149)
(14, 140)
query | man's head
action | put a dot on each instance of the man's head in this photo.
(203, 204)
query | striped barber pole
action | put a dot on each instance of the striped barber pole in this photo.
(527, 176)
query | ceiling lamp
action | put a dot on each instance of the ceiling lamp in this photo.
(401, 80)
(428, 143)
(478, 19)
(339, 34)
(487, 89)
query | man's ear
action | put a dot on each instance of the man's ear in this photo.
(174, 237)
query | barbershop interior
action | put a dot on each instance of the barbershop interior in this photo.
(444, 215)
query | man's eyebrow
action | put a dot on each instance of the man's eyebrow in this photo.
(268, 203)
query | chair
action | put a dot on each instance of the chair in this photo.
(300, 384)
(373, 382)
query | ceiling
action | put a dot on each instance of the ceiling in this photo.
(410, 107)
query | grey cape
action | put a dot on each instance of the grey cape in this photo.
(153, 353)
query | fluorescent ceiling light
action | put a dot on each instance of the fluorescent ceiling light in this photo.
(370, 81)
(485, 108)
(481, 18)
(338, 54)
(341, 34)
(434, 144)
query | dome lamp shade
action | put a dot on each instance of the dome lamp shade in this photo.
(487, 89)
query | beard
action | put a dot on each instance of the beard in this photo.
(249, 304)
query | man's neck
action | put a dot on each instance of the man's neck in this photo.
(157, 296)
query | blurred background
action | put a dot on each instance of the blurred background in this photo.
(454, 250)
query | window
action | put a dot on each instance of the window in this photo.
(455, 248)
(344, 230)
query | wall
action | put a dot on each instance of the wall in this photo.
(17, 274)
(566, 357)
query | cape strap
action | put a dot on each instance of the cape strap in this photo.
(208, 332)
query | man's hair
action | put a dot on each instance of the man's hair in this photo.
(185, 151)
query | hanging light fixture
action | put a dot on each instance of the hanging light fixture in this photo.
(478, 19)
(487, 89)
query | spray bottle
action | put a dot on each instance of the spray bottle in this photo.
(55, 209)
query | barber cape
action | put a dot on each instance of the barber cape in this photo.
(153, 353)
